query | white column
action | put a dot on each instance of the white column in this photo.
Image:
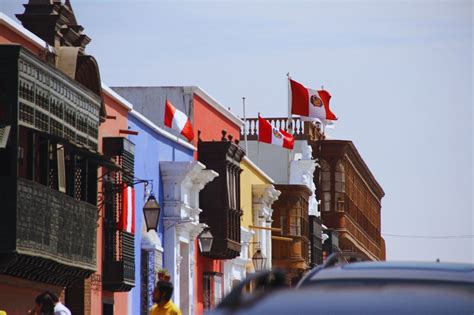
(263, 197)
(182, 182)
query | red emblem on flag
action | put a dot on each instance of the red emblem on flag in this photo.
(316, 101)
(276, 133)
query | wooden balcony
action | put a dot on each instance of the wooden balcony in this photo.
(220, 199)
(291, 215)
(46, 235)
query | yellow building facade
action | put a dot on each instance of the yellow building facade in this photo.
(257, 194)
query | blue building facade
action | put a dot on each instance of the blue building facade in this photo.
(152, 146)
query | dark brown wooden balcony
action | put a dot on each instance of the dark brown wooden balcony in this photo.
(291, 216)
(220, 199)
(46, 235)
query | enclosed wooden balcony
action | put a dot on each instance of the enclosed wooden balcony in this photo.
(46, 235)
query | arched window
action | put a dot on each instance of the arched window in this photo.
(325, 186)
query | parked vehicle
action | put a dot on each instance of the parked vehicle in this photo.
(341, 286)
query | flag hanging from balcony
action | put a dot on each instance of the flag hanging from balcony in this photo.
(127, 219)
(177, 120)
(310, 103)
(269, 134)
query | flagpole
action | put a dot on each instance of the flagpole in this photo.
(289, 126)
(323, 122)
(258, 140)
(245, 127)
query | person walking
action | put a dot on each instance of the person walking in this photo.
(44, 305)
(162, 299)
(59, 308)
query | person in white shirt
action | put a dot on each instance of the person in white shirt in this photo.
(59, 308)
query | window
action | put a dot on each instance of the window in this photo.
(339, 178)
(295, 225)
(325, 186)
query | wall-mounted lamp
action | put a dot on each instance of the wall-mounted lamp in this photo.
(205, 239)
(151, 211)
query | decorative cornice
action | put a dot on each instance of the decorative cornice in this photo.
(265, 194)
(192, 174)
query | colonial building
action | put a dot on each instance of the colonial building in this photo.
(257, 193)
(289, 168)
(50, 120)
(69, 137)
(48, 177)
(165, 166)
(291, 216)
(216, 144)
(350, 198)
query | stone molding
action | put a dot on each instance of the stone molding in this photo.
(263, 196)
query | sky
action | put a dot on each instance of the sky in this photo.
(400, 75)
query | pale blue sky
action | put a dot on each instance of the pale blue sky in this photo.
(400, 73)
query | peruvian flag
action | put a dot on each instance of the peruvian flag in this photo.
(177, 120)
(127, 219)
(310, 103)
(268, 134)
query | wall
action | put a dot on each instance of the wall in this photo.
(249, 176)
(204, 114)
(259, 153)
(8, 36)
(150, 149)
(109, 128)
(150, 102)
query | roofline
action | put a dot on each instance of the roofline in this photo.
(117, 97)
(161, 131)
(215, 104)
(254, 166)
(367, 169)
(19, 29)
(360, 160)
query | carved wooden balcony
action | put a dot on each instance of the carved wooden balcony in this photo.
(46, 235)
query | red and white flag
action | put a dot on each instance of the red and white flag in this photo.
(269, 134)
(127, 219)
(177, 120)
(310, 103)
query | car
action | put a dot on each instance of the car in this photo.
(346, 284)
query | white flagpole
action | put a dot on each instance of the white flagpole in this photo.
(323, 123)
(258, 141)
(289, 126)
(245, 127)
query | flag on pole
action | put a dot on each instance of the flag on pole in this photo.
(127, 219)
(177, 120)
(269, 134)
(310, 103)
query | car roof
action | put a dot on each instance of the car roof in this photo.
(415, 271)
(396, 298)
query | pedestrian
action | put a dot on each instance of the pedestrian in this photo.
(44, 305)
(162, 299)
(59, 308)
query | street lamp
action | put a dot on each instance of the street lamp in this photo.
(205, 239)
(151, 210)
(258, 260)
